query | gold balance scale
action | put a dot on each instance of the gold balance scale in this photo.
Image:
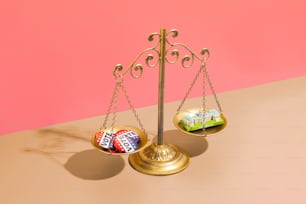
(157, 158)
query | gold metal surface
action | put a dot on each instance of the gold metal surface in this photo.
(159, 160)
(161, 83)
(179, 116)
(140, 133)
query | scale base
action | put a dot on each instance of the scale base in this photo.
(160, 160)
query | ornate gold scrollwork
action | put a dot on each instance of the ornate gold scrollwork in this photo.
(117, 71)
(175, 53)
(172, 55)
(205, 52)
(152, 35)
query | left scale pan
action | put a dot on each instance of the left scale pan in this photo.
(120, 140)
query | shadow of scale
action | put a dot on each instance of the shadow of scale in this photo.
(160, 158)
(90, 165)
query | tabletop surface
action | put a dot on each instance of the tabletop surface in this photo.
(258, 158)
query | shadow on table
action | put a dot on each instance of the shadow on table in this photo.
(192, 145)
(94, 165)
(89, 164)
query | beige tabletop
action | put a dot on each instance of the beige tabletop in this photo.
(259, 158)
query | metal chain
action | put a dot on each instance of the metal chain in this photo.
(213, 90)
(113, 104)
(132, 108)
(119, 84)
(189, 89)
(203, 69)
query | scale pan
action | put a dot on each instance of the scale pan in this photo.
(143, 140)
(211, 130)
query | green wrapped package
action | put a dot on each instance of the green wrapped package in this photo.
(198, 120)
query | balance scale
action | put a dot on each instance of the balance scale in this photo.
(159, 158)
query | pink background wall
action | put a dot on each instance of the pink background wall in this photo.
(57, 57)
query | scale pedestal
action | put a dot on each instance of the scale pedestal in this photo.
(157, 159)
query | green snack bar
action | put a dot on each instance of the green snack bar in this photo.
(198, 120)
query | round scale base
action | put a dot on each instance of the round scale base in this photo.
(161, 160)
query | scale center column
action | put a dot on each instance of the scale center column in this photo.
(160, 158)
(161, 87)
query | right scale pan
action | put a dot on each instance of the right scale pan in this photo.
(191, 122)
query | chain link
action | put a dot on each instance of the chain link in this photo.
(189, 90)
(112, 105)
(115, 109)
(213, 91)
(203, 69)
(132, 108)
